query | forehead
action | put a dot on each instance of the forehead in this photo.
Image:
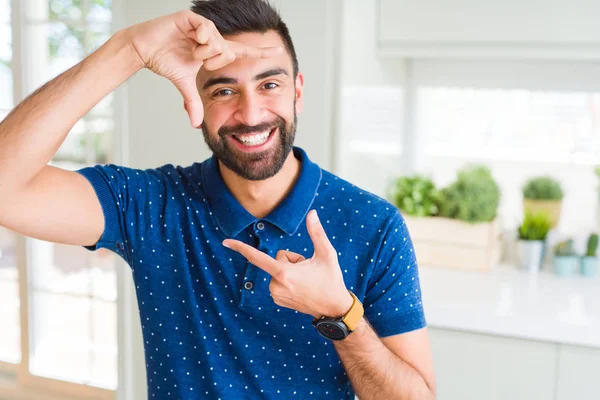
(244, 69)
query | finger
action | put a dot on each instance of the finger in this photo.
(191, 99)
(204, 32)
(323, 247)
(219, 61)
(289, 256)
(201, 28)
(205, 51)
(242, 50)
(256, 257)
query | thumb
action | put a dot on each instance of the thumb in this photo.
(191, 100)
(323, 247)
(289, 256)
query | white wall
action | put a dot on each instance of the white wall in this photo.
(372, 103)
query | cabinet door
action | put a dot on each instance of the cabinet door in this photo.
(476, 366)
(578, 373)
(523, 29)
(524, 22)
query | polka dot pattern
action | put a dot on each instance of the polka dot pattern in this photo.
(210, 326)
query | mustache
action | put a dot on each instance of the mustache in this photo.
(245, 129)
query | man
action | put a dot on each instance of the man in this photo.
(258, 274)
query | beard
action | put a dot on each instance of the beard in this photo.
(253, 166)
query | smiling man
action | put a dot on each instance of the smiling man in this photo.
(258, 274)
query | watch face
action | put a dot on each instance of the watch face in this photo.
(331, 331)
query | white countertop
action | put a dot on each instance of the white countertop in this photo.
(509, 302)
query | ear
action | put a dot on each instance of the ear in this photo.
(299, 93)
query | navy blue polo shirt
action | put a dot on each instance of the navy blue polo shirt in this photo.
(211, 329)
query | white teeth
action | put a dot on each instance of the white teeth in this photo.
(254, 140)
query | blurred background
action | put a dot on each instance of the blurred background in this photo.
(479, 119)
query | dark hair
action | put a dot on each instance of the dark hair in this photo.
(238, 16)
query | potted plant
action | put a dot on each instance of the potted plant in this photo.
(589, 263)
(416, 195)
(543, 193)
(473, 197)
(457, 226)
(565, 261)
(532, 235)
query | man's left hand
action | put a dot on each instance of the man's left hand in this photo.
(313, 286)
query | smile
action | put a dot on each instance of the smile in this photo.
(254, 139)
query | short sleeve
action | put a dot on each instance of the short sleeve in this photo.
(124, 194)
(393, 298)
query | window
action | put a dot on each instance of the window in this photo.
(10, 336)
(371, 142)
(67, 338)
(515, 125)
(521, 118)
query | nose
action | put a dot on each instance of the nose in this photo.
(251, 110)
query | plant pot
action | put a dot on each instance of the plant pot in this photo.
(551, 207)
(565, 265)
(589, 266)
(449, 243)
(530, 254)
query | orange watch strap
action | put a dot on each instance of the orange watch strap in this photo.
(355, 314)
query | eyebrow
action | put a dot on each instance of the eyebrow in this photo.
(231, 81)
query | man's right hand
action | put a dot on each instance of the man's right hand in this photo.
(176, 46)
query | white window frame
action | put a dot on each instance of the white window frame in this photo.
(26, 385)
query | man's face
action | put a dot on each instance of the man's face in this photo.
(250, 109)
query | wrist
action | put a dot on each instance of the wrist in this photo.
(342, 321)
(342, 306)
(124, 40)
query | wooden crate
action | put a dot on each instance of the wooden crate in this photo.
(450, 243)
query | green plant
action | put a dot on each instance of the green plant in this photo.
(564, 248)
(543, 188)
(592, 245)
(535, 226)
(473, 197)
(415, 195)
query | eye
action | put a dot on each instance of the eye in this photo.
(270, 85)
(223, 93)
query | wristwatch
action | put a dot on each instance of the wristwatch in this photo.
(340, 328)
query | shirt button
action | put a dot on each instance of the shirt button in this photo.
(260, 226)
(248, 285)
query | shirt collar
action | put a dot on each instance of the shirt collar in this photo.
(232, 218)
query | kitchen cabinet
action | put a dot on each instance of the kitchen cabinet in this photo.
(528, 29)
(483, 366)
(578, 373)
(478, 366)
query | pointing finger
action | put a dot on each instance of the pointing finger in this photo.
(256, 257)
